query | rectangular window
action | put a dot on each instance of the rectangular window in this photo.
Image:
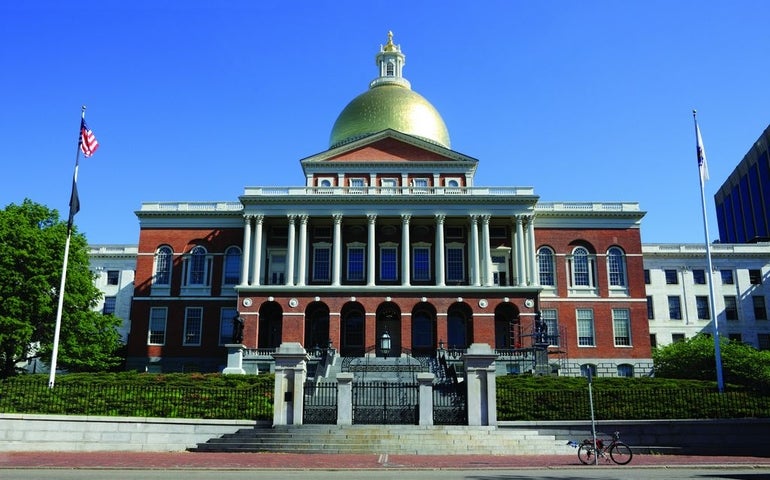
(226, 316)
(699, 277)
(677, 337)
(671, 277)
(357, 185)
(421, 263)
(621, 325)
(113, 277)
(157, 332)
(731, 307)
(727, 277)
(585, 327)
(760, 311)
(650, 308)
(388, 264)
(455, 264)
(193, 322)
(356, 264)
(549, 316)
(646, 276)
(674, 308)
(388, 186)
(321, 263)
(755, 276)
(735, 337)
(763, 341)
(653, 340)
(702, 306)
(109, 306)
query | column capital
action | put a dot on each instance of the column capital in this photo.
(371, 217)
(474, 219)
(292, 218)
(337, 218)
(440, 218)
(303, 219)
(405, 218)
(259, 218)
(485, 218)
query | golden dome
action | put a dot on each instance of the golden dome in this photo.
(389, 106)
(389, 103)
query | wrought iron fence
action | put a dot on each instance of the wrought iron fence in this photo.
(385, 403)
(320, 403)
(167, 401)
(630, 404)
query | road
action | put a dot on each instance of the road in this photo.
(387, 473)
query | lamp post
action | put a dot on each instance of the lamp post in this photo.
(385, 343)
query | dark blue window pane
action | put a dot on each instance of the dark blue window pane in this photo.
(740, 234)
(748, 218)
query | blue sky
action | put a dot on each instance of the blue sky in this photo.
(192, 101)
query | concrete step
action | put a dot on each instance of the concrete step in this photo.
(386, 439)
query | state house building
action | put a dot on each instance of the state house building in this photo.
(388, 233)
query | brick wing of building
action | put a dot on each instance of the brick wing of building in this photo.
(388, 233)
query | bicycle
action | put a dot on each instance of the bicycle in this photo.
(616, 450)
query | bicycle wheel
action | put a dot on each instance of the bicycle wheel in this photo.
(620, 453)
(586, 454)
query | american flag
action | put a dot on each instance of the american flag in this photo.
(88, 142)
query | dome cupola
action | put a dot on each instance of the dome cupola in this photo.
(390, 103)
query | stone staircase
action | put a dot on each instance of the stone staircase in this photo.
(390, 439)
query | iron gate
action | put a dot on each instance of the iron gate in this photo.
(385, 403)
(450, 404)
(320, 403)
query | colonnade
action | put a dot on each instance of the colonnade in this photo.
(522, 262)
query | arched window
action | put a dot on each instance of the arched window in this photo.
(163, 262)
(581, 273)
(545, 263)
(588, 367)
(232, 267)
(616, 267)
(196, 273)
(390, 69)
(581, 266)
(422, 330)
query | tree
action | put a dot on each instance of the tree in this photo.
(32, 242)
(695, 359)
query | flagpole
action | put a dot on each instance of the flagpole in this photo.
(57, 329)
(702, 172)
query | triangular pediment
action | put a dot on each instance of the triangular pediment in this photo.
(388, 147)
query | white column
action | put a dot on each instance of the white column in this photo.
(337, 248)
(302, 267)
(485, 251)
(245, 264)
(520, 262)
(256, 255)
(371, 250)
(290, 250)
(406, 271)
(533, 277)
(474, 263)
(440, 250)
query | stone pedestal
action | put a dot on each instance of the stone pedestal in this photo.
(481, 385)
(234, 359)
(425, 382)
(344, 399)
(290, 374)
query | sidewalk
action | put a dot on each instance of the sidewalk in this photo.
(273, 461)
